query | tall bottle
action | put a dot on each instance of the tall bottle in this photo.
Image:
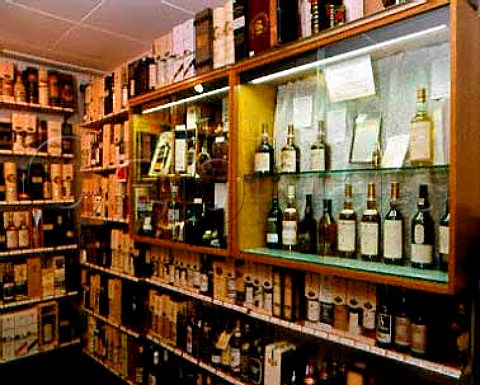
(274, 225)
(444, 238)
(235, 348)
(290, 221)
(290, 153)
(370, 228)
(264, 154)
(307, 229)
(327, 230)
(421, 133)
(393, 230)
(385, 320)
(173, 211)
(319, 150)
(419, 328)
(402, 323)
(422, 232)
(347, 226)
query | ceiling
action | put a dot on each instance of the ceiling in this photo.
(95, 34)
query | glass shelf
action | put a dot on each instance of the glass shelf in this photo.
(436, 276)
(356, 170)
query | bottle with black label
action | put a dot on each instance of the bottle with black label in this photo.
(422, 232)
(385, 320)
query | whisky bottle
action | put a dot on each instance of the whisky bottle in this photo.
(235, 348)
(173, 211)
(23, 232)
(11, 232)
(264, 155)
(444, 238)
(290, 221)
(402, 323)
(31, 84)
(327, 230)
(307, 229)
(47, 183)
(274, 225)
(290, 153)
(419, 328)
(385, 319)
(19, 90)
(422, 232)
(22, 180)
(421, 133)
(54, 87)
(393, 230)
(318, 150)
(347, 226)
(370, 228)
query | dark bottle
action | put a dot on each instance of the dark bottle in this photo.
(327, 230)
(206, 341)
(69, 228)
(3, 233)
(422, 232)
(290, 221)
(67, 138)
(35, 180)
(245, 352)
(22, 184)
(31, 83)
(236, 348)
(290, 153)
(444, 239)
(264, 155)
(402, 323)
(419, 328)
(107, 94)
(206, 276)
(287, 21)
(307, 229)
(154, 376)
(46, 183)
(459, 333)
(274, 226)
(385, 320)
(3, 187)
(347, 226)
(393, 230)
(310, 375)
(8, 288)
(256, 362)
(54, 87)
(370, 228)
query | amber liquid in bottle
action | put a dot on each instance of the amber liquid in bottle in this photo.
(421, 133)
(393, 230)
(370, 228)
(290, 221)
(319, 150)
(307, 229)
(347, 226)
(274, 225)
(264, 155)
(290, 153)
(327, 230)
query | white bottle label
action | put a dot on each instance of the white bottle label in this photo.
(422, 253)
(317, 160)
(313, 310)
(289, 161)
(272, 238)
(262, 162)
(419, 234)
(173, 216)
(443, 239)
(346, 235)
(369, 316)
(420, 141)
(392, 239)
(369, 238)
(289, 233)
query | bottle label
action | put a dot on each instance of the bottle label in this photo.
(354, 326)
(262, 162)
(420, 141)
(384, 328)
(419, 234)
(392, 239)
(369, 316)
(173, 216)
(313, 310)
(346, 235)
(317, 160)
(419, 339)
(289, 161)
(422, 253)
(369, 238)
(23, 238)
(235, 358)
(272, 238)
(289, 233)
(326, 313)
(12, 239)
(443, 239)
(402, 331)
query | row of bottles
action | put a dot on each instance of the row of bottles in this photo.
(36, 228)
(421, 146)
(369, 236)
(36, 181)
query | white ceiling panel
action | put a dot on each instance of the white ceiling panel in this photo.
(104, 50)
(144, 20)
(73, 10)
(19, 25)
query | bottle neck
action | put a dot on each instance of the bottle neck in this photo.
(371, 203)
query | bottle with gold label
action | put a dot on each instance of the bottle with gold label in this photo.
(370, 228)
(290, 153)
(421, 133)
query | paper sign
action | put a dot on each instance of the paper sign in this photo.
(395, 151)
(336, 126)
(302, 112)
(350, 80)
(440, 78)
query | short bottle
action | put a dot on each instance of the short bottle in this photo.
(290, 221)
(327, 230)
(422, 232)
(347, 226)
(393, 230)
(274, 225)
(264, 155)
(290, 153)
(370, 228)
(307, 229)
(444, 239)
(421, 133)
(319, 150)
